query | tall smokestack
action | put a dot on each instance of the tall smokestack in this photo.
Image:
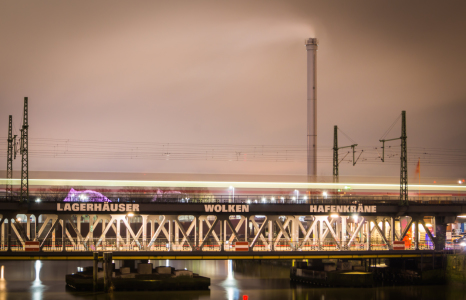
(311, 47)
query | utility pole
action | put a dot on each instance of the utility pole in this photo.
(24, 155)
(336, 163)
(335, 154)
(9, 160)
(403, 160)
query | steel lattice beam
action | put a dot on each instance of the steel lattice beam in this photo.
(335, 154)
(404, 162)
(9, 159)
(24, 155)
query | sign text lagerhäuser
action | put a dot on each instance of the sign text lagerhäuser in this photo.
(120, 207)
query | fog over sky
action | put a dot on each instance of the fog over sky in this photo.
(233, 73)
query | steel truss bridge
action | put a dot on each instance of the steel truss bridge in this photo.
(199, 228)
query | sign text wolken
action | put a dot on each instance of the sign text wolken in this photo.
(226, 208)
(97, 207)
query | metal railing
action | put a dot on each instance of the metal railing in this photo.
(244, 199)
(283, 245)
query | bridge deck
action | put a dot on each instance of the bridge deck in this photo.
(224, 255)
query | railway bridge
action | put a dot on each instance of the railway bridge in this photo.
(225, 227)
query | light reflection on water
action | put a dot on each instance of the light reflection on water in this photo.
(37, 288)
(230, 284)
(230, 280)
(2, 284)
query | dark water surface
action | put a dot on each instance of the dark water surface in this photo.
(46, 280)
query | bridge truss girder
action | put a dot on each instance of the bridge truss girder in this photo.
(172, 233)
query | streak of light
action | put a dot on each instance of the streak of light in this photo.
(226, 184)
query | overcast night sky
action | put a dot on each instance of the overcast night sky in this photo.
(231, 76)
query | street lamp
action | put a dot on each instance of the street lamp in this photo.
(233, 191)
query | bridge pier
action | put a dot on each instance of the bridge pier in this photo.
(107, 268)
(95, 271)
(440, 231)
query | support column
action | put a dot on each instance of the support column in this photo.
(251, 228)
(28, 226)
(343, 232)
(170, 234)
(9, 235)
(177, 237)
(118, 234)
(128, 235)
(53, 237)
(95, 271)
(78, 226)
(270, 235)
(337, 228)
(416, 233)
(196, 232)
(144, 231)
(440, 233)
(201, 231)
(104, 236)
(384, 228)
(320, 231)
(222, 248)
(368, 235)
(246, 228)
(295, 232)
(392, 230)
(3, 235)
(107, 264)
(91, 232)
(36, 226)
(224, 232)
(63, 234)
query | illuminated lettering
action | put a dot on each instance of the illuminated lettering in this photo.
(209, 208)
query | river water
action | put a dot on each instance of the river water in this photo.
(46, 280)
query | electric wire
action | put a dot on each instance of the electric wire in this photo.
(390, 128)
(124, 150)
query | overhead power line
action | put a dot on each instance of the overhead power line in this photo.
(125, 150)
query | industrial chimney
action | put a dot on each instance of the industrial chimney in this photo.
(311, 47)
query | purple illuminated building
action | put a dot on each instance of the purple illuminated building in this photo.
(85, 196)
